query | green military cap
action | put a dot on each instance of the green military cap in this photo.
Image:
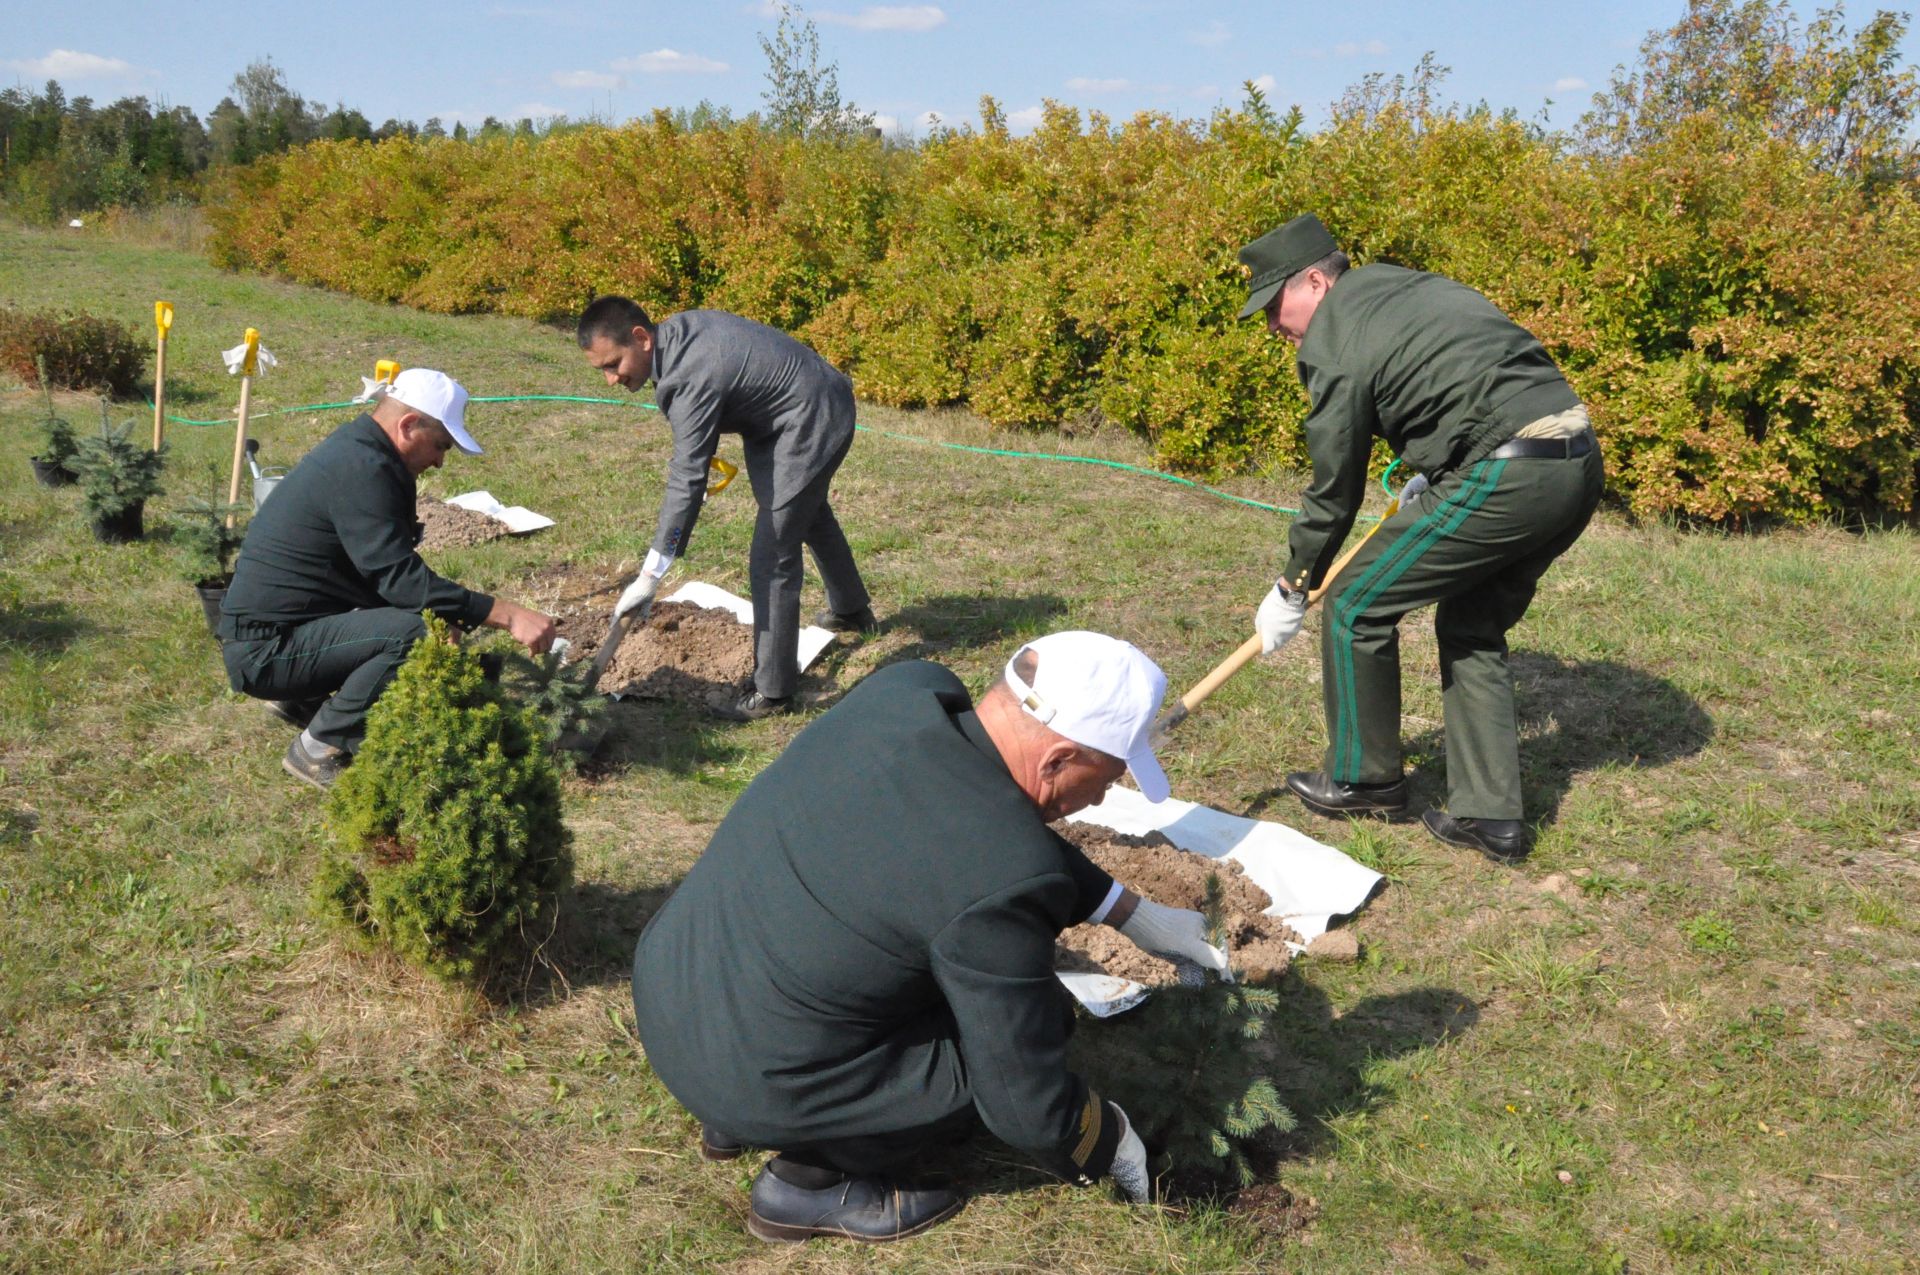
(1281, 253)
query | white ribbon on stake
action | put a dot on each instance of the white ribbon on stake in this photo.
(245, 359)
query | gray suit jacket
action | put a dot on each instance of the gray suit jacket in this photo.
(716, 373)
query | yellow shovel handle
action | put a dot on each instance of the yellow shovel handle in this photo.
(385, 370)
(163, 317)
(250, 363)
(727, 470)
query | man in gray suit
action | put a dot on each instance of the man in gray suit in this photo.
(716, 373)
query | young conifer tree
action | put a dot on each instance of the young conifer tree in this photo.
(1186, 1067)
(449, 838)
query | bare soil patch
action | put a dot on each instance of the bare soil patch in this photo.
(684, 652)
(451, 527)
(1154, 868)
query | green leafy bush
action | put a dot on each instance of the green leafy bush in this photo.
(1731, 295)
(74, 351)
(115, 472)
(449, 842)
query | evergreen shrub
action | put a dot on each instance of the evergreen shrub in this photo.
(447, 827)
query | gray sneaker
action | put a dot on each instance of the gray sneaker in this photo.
(318, 771)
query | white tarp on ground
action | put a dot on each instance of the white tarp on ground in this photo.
(519, 518)
(813, 638)
(1310, 881)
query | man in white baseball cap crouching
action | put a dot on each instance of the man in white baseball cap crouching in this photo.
(329, 585)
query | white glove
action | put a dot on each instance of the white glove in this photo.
(1415, 485)
(1129, 1168)
(1176, 935)
(1278, 619)
(639, 594)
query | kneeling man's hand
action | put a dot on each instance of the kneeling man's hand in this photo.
(1174, 934)
(528, 627)
(1129, 1170)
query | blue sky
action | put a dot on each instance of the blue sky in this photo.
(515, 58)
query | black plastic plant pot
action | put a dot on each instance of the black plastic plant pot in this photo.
(118, 529)
(51, 473)
(211, 596)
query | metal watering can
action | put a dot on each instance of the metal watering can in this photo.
(264, 480)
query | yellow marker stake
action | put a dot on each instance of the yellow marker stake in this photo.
(162, 320)
(385, 370)
(727, 472)
(249, 368)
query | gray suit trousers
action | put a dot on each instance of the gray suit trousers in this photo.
(774, 566)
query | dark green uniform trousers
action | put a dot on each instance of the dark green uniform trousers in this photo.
(1477, 543)
(349, 657)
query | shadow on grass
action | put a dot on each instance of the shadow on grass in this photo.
(41, 628)
(1580, 715)
(666, 735)
(590, 944)
(970, 620)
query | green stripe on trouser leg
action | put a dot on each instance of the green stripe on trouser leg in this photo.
(1477, 543)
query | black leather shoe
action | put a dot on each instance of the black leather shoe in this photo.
(715, 1145)
(860, 621)
(1502, 840)
(750, 707)
(1324, 796)
(870, 1209)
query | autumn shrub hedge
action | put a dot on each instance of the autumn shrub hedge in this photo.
(77, 351)
(1738, 319)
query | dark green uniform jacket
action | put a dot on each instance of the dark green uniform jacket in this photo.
(338, 535)
(1428, 364)
(867, 944)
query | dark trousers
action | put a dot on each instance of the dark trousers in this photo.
(775, 571)
(1476, 543)
(349, 658)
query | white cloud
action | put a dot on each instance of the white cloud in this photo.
(670, 61)
(1026, 119)
(1211, 36)
(586, 80)
(1081, 84)
(1569, 84)
(888, 17)
(1354, 49)
(68, 64)
(1204, 91)
(1265, 83)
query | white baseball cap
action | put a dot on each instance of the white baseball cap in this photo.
(439, 396)
(1101, 693)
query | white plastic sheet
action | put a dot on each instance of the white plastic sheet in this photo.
(518, 518)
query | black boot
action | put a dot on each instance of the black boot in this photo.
(1327, 797)
(860, 621)
(1502, 840)
(750, 707)
(788, 1207)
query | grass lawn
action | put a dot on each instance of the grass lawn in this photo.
(1684, 1036)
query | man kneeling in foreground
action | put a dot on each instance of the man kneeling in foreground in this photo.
(328, 589)
(860, 966)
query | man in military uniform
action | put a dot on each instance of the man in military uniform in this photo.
(328, 588)
(1473, 403)
(861, 964)
(716, 373)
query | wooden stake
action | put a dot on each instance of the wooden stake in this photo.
(163, 321)
(248, 367)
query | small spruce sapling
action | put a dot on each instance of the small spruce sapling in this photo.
(60, 448)
(449, 840)
(557, 695)
(205, 540)
(1187, 1069)
(116, 473)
